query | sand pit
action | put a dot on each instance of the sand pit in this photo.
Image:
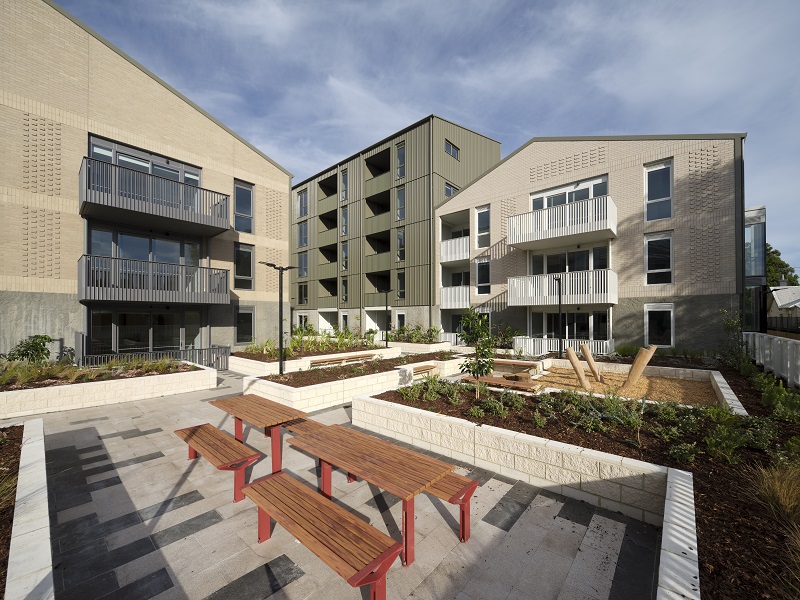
(660, 389)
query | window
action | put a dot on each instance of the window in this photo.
(483, 277)
(658, 191)
(600, 257)
(302, 264)
(659, 324)
(302, 234)
(483, 226)
(243, 267)
(401, 203)
(401, 160)
(302, 203)
(658, 258)
(302, 321)
(401, 319)
(344, 289)
(302, 293)
(600, 323)
(459, 279)
(401, 243)
(344, 256)
(401, 284)
(563, 262)
(344, 185)
(451, 149)
(575, 192)
(344, 322)
(245, 324)
(449, 189)
(243, 208)
(344, 220)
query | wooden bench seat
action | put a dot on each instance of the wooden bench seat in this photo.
(519, 365)
(303, 426)
(500, 382)
(340, 360)
(221, 450)
(521, 376)
(456, 489)
(421, 369)
(358, 552)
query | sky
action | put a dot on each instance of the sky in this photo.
(312, 82)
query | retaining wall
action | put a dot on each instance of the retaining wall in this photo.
(409, 348)
(258, 368)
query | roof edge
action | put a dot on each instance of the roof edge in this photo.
(163, 83)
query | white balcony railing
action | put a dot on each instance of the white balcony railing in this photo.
(531, 346)
(578, 287)
(455, 297)
(583, 221)
(452, 338)
(455, 249)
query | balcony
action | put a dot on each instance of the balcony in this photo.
(327, 205)
(532, 346)
(327, 302)
(454, 250)
(102, 278)
(377, 262)
(328, 270)
(377, 223)
(113, 193)
(378, 298)
(579, 222)
(327, 237)
(578, 288)
(454, 297)
(378, 184)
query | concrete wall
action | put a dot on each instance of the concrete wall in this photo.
(257, 368)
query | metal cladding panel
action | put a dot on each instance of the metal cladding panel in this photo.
(355, 252)
(353, 291)
(476, 153)
(418, 243)
(417, 286)
(355, 219)
(418, 206)
(355, 179)
(417, 153)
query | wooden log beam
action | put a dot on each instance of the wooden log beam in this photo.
(642, 358)
(576, 364)
(587, 355)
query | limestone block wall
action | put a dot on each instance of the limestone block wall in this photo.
(257, 368)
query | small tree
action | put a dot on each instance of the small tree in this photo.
(482, 363)
(33, 350)
(474, 326)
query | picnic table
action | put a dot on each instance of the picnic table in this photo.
(399, 471)
(261, 413)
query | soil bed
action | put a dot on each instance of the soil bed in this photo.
(314, 376)
(740, 544)
(659, 389)
(261, 357)
(10, 447)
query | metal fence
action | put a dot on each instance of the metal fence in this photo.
(788, 324)
(215, 357)
(777, 354)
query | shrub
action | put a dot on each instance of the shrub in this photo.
(409, 393)
(32, 350)
(777, 488)
(683, 453)
(513, 400)
(539, 420)
(667, 433)
(453, 394)
(664, 412)
(724, 443)
(759, 432)
(482, 363)
(475, 412)
(627, 350)
(493, 406)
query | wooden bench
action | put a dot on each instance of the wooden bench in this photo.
(422, 369)
(521, 376)
(456, 489)
(340, 360)
(500, 382)
(221, 450)
(303, 426)
(521, 365)
(354, 549)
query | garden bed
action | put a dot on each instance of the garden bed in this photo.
(309, 353)
(258, 368)
(10, 446)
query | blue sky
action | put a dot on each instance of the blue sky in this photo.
(310, 83)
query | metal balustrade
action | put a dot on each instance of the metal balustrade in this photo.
(578, 287)
(455, 249)
(105, 188)
(777, 354)
(532, 346)
(584, 221)
(454, 297)
(125, 280)
(453, 338)
(215, 357)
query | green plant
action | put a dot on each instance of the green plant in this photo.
(369, 336)
(475, 412)
(627, 350)
(8, 486)
(777, 488)
(513, 400)
(733, 349)
(667, 433)
(482, 363)
(664, 412)
(32, 350)
(493, 406)
(539, 420)
(724, 443)
(453, 394)
(474, 326)
(759, 432)
(723, 416)
(683, 453)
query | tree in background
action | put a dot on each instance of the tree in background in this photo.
(776, 267)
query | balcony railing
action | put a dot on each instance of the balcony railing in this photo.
(377, 262)
(578, 287)
(377, 223)
(378, 184)
(328, 237)
(378, 298)
(328, 270)
(455, 249)
(579, 222)
(453, 338)
(455, 297)
(328, 204)
(126, 280)
(106, 190)
(215, 357)
(532, 346)
(327, 301)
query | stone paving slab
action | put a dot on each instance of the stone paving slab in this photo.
(132, 517)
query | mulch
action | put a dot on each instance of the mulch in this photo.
(261, 357)
(42, 383)
(10, 447)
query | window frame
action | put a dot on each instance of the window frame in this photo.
(252, 279)
(400, 289)
(397, 315)
(478, 284)
(400, 249)
(302, 320)
(343, 217)
(302, 240)
(343, 251)
(300, 286)
(652, 237)
(250, 188)
(478, 210)
(451, 149)
(400, 149)
(668, 163)
(302, 264)
(449, 187)
(251, 310)
(344, 185)
(344, 289)
(544, 195)
(302, 203)
(659, 307)
(400, 214)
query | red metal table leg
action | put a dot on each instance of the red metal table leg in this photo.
(238, 428)
(275, 435)
(407, 555)
(464, 507)
(192, 453)
(377, 591)
(325, 479)
(263, 525)
(238, 484)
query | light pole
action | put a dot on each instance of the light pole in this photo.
(560, 321)
(388, 315)
(281, 271)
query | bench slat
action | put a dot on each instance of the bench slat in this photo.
(451, 486)
(217, 447)
(303, 426)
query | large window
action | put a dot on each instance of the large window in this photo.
(401, 243)
(302, 203)
(344, 289)
(245, 324)
(243, 207)
(401, 203)
(344, 256)
(302, 264)
(449, 189)
(401, 284)
(658, 191)
(460, 278)
(563, 262)
(344, 185)
(302, 293)
(658, 258)
(451, 149)
(401, 160)
(577, 325)
(243, 266)
(483, 217)
(484, 286)
(127, 330)
(659, 325)
(574, 192)
(302, 234)
(344, 220)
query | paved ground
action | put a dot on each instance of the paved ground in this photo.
(133, 518)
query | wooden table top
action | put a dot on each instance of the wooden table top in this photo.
(217, 447)
(397, 470)
(258, 411)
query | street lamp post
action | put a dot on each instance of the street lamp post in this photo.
(560, 321)
(388, 315)
(281, 271)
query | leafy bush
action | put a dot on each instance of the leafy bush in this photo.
(415, 335)
(683, 453)
(539, 420)
(777, 488)
(493, 406)
(666, 432)
(410, 393)
(32, 350)
(723, 416)
(482, 363)
(759, 432)
(475, 412)
(724, 443)
(626, 350)
(513, 400)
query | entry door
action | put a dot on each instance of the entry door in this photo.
(134, 253)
